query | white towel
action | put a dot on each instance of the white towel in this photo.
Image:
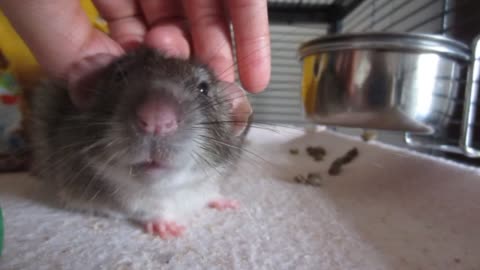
(389, 209)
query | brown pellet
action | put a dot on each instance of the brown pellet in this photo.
(294, 151)
(314, 179)
(317, 153)
(350, 155)
(335, 170)
(300, 179)
(338, 163)
(318, 150)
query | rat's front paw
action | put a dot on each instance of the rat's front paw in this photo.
(164, 228)
(224, 204)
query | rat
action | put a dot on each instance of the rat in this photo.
(145, 137)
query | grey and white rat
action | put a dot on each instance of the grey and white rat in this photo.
(146, 137)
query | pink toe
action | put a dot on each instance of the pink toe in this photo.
(223, 204)
(234, 204)
(175, 229)
(174, 232)
(163, 234)
(164, 229)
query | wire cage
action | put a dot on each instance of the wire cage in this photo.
(295, 21)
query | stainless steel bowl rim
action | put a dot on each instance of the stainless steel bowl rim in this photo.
(418, 43)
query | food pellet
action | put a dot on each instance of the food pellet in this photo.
(368, 135)
(338, 163)
(294, 151)
(316, 150)
(300, 179)
(317, 153)
(314, 179)
(350, 155)
(335, 170)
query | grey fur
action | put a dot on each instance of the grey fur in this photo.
(77, 152)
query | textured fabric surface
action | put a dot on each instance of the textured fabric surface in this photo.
(389, 209)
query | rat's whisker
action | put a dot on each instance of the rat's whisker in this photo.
(233, 146)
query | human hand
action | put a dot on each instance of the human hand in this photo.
(60, 34)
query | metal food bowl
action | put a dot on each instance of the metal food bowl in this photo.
(390, 81)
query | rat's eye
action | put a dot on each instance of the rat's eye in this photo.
(203, 87)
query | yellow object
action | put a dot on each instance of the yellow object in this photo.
(309, 80)
(23, 64)
(313, 65)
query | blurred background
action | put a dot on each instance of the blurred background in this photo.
(296, 21)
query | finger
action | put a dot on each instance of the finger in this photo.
(125, 21)
(57, 32)
(161, 10)
(170, 38)
(252, 40)
(167, 29)
(240, 108)
(211, 36)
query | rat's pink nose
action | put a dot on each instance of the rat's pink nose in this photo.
(157, 117)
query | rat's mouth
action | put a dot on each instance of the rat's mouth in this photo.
(151, 165)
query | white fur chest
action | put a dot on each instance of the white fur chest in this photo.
(168, 196)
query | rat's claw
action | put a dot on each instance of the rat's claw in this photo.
(164, 229)
(223, 204)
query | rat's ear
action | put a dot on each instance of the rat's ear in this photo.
(81, 78)
(240, 107)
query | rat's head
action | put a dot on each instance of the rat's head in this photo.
(158, 114)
